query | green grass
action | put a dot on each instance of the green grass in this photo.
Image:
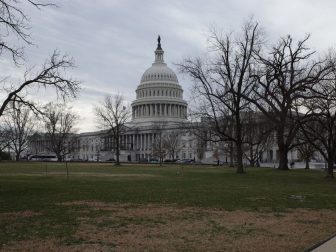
(42, 187)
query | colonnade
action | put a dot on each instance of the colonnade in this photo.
(161, 109)
(141, 142)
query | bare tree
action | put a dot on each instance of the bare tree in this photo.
(52, 74)
(158, 149)
(224, 81)
(286, 75)
(306, 153)
(200, 147)
(60, 135)
(20, 125)
(319, 127)
(112, 115)
(4, 138)
(172, 142)
(257, 136)
(14, 22)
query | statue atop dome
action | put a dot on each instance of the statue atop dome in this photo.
(159, 43)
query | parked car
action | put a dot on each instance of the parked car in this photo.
(154, 160)
(186, 161)
(170, 160)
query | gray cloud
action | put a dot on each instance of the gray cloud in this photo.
(112, 41)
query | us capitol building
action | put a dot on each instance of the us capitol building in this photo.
(156, 131)
(158, 111)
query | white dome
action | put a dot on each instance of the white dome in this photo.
(159, 72)
(159, 97)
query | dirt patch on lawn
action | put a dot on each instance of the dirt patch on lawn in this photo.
(152, 227)
(16, 215)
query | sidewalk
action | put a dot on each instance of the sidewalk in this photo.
(326, 246)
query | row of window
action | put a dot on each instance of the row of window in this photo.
(158, 76)
(158, 92)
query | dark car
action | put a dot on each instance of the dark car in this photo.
(153, 160)
(143, 160)
(186, 161)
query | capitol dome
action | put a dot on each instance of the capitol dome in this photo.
(159, 72)
(159, 96)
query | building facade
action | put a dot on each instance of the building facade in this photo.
(157, 129)
(159, 113)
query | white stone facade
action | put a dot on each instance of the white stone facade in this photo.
(158, 110)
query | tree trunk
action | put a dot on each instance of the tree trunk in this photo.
(17, 157)
(240, 167)
(239, 145)
(283, 151)
(117, 151)
(283, 160)
(252, 161)
(330, 169)
(307, 164)
(231, 154)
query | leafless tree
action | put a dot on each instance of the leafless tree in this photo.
(200, 147)
(4, 137)
(224, 80)
(172, 142)
(20, 126)
(306, 152)
(51, 75)
(257, 136)
(15, 22)
(286, 74)
(158, 149)
(60, 135)
(112, 115)
(319, 127)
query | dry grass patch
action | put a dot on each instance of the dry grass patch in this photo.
(17, 215)
(126, 227)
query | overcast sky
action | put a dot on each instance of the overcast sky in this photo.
(113, 41)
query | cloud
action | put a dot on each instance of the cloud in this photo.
(113, 41)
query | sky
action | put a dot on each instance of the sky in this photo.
(112, 41)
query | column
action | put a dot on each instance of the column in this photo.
(140, 141)
(146, 142)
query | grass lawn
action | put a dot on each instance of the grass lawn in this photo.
(101, 207)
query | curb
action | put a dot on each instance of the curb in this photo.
(320, 243)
